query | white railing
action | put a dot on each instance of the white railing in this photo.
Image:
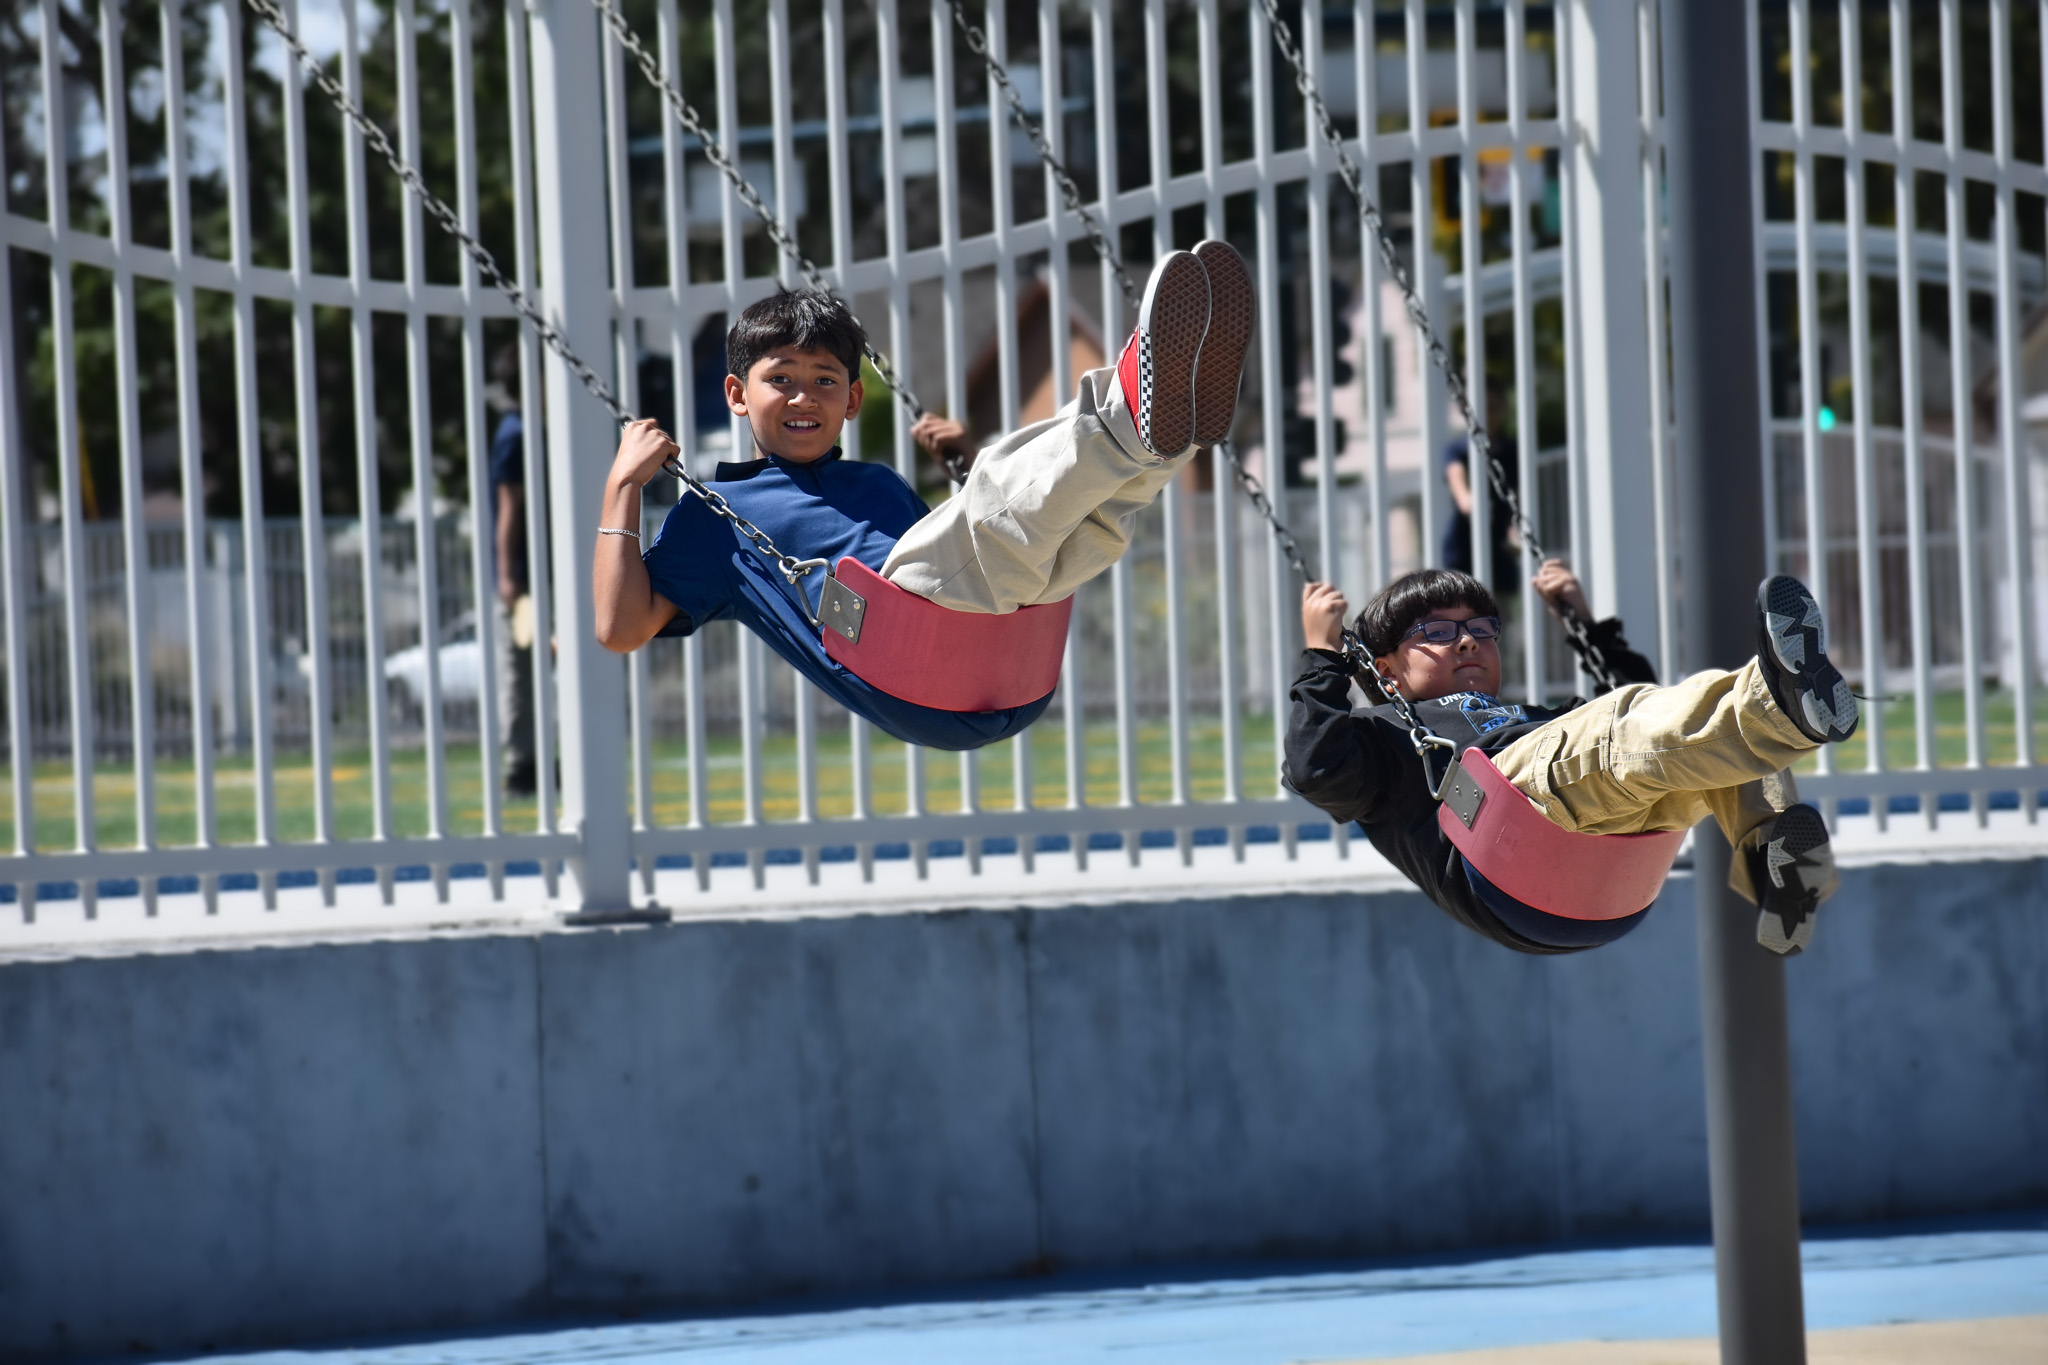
(872, 128)
(1938, 557)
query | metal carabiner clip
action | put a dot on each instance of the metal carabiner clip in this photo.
(1426, 744)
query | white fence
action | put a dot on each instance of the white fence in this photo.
(221, 304)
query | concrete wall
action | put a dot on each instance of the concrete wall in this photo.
(282, 1144)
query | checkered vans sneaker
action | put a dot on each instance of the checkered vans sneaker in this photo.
(1792, 870)
(1233, 307)
(1157, 368)
(1791, 644)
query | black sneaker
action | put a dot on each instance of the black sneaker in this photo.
(1791, 644)
(522, 778)
(1792, 871)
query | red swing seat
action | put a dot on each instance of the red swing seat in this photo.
(1558, 871)
(915, 649)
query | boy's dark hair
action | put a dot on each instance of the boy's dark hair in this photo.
(801, 319)
(1413, 597)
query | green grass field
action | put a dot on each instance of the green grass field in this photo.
(235, 786)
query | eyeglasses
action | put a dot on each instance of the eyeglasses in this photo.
(1447, 632)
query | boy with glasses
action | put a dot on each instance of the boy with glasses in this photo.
(1636, 759)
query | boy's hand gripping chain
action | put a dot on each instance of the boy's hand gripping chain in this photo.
(791, 568)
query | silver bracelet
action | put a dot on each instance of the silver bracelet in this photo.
(617, 531)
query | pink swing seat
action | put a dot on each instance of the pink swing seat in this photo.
(915, 649)
(1515, 846)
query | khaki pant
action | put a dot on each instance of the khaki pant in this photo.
(1648, 758)
(1044, 510)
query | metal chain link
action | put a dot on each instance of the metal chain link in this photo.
(784, 240)
(1575, 626)
(978, 44)
(791, 568)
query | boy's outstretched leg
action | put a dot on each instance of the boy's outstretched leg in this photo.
(1050, 507)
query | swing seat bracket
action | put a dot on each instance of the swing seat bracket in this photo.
(841, 609)
(1463, 796)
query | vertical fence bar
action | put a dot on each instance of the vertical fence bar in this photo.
(1960, 389)
(369, 479)
(1477, 480)
(535, 436)
(249, 448)
(786, 169)
(568, 165)
(947, 132)
(70, 450)
(1103, 52)
(1059, 303)
(2011, 440)
(477, 442)
(1529, 487)
(306, 417)
(1272, 399)
(1372, 374)
(683, 373)
(1812, 458)
(1911, 399)
(1229, 639)
(191, 475)
(1425, 271)
(1870, 602)
(618, 188)
(1321, 366)
(1158, 146)
(420, 420)
(1612, 499)
(733, 260)
(888, 46)
(1002, 211)
(14, 567)
(1649, 48)
(842, 260)
(134, 533)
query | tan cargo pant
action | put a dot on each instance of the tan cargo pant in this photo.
(1648, 758)
(1044, 510)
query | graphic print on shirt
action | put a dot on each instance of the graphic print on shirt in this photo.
(1486, 714)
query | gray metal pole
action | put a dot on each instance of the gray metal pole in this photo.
(1751, 1150)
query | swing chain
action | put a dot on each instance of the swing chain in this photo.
(1368, 212)
(1256, 492)
(715, 153)
(956, 465)
(791, 568)
(978, 44)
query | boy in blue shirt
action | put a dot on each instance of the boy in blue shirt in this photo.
(1042, 511)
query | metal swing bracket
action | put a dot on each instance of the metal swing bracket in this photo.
(1462, 793)
(841, 609)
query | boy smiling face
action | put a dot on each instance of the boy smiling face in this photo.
(796, 401)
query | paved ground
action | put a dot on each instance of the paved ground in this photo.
(1978, 1295)
(1986, 1341)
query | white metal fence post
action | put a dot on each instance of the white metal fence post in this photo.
(1603, 148)
(569, 163)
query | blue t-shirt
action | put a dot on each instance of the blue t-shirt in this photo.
(830, 509)
(508, 451)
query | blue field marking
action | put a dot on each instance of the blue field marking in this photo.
(1256, 1317)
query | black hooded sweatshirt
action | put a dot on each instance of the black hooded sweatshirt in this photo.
(1360, 765)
